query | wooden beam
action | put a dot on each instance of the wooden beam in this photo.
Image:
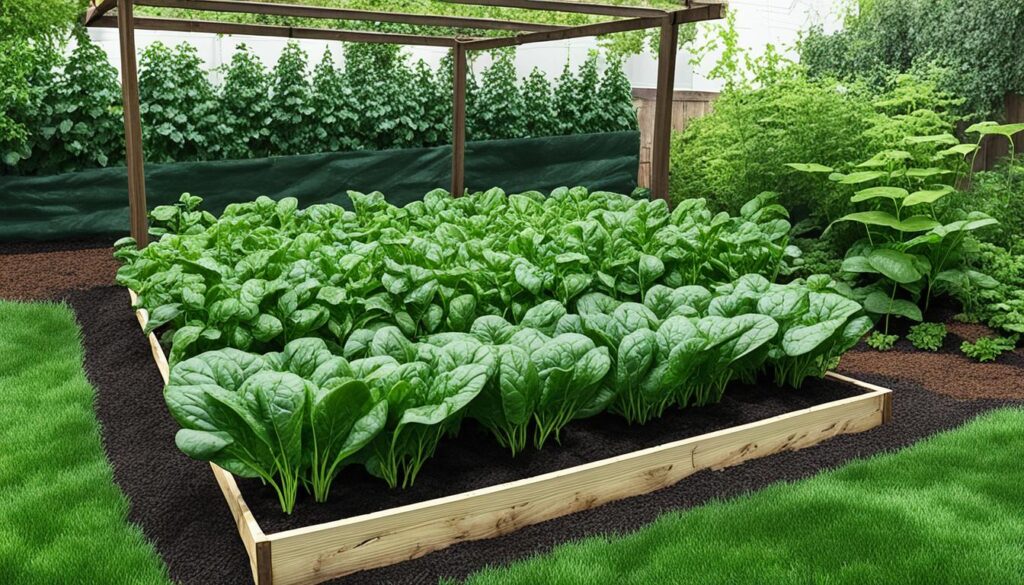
(266, 30)
(699, 13)
(99, 10)
(589, 30)
(459, 121)
(569, 7)
(132, 125)
(300, 11)
(667, 50)
(314, 554)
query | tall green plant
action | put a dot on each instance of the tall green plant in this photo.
(292, 115)
(180, 113)
(615, 97)
(335, 124)
(538, 102)
(245, 105)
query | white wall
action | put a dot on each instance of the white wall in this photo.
(758, 22)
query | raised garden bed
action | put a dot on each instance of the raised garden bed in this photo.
(319, 552)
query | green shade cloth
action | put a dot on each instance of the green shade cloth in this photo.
(94, 203)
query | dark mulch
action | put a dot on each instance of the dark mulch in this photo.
(178, 504)
(474, 460)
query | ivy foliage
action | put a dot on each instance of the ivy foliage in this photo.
(976, 44)
(378, 100)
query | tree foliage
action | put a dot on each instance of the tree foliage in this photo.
(976, 44)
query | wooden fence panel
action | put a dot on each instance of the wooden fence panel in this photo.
(686, 105)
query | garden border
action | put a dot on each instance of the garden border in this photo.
(317, 553)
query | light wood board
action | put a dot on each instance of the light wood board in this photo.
(317, 553)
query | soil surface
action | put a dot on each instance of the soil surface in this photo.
(180, 508)
(474, 459)
(947, 371)
(38, 272)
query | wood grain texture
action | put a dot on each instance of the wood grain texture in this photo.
(317, 553)
(248, 529)
(333, 13)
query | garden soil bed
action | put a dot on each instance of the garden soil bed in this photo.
(474, 460)
(179, 505)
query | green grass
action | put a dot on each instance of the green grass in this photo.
(62, 519)
(948, 510)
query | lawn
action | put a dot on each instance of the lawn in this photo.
(62, 519)
(947, 510)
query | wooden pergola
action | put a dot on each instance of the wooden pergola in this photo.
(626, 18)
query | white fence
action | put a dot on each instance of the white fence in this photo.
(757, 21)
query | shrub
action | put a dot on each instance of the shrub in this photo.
(977, 44)
(179, 110)
(292, 116)
(538, 100)
(744, 145)
(245, 105)
(741, 148)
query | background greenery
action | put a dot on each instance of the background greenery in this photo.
(379, 100)
(976, 43)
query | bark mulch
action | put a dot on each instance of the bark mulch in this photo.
(177, 503)
(35, 272)
(948, 371)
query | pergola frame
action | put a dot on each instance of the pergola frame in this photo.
(629, 18)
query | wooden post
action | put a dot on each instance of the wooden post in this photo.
(667, 50)
(459, 121)
(132, 124)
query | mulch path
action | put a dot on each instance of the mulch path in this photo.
(948, 371)
(180, 508)
(35, 272)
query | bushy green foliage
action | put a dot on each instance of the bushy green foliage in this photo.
(976, 45)
(498, 108)
(76, 112)
(378, 101)
(520, 311)
(1001, 307)
(999, 193)
(292, 116)
(32, 39)
(927, 336)
(988, 349)
(178, 106)
(742, 147)
(539, 100)
(245, 106)
(909, 249)
(881, 342)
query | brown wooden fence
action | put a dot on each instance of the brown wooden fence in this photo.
(995, 148)
(686, 105)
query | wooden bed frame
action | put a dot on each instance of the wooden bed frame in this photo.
(317, 553)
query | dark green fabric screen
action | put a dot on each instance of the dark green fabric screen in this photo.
(94, 203)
